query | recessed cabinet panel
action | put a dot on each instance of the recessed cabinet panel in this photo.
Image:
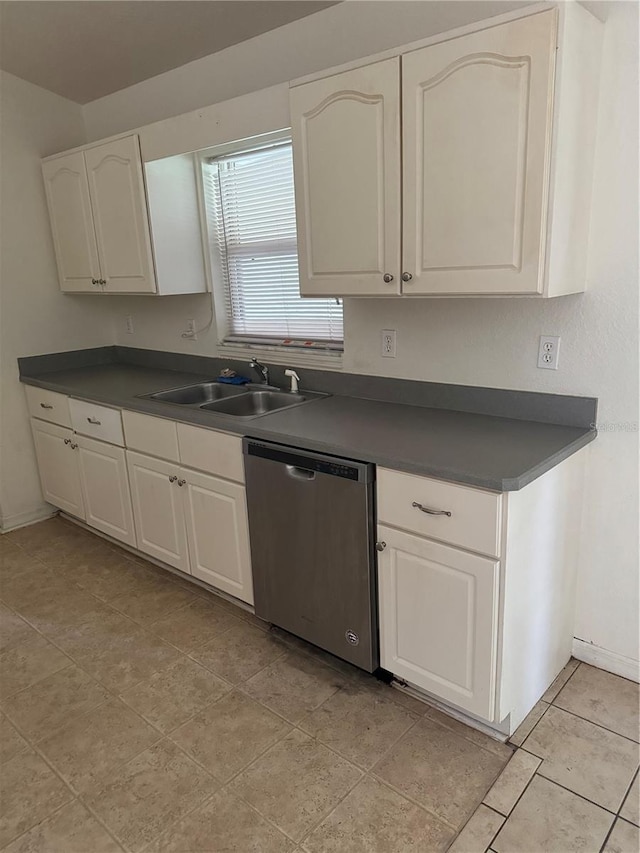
(67, 191)
(105, 486)
(157, 506)
(476, 144)
(57, 455)
(120, 216)
(218, 533)
(438, 619)
(346, 138)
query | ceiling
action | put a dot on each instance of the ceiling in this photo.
(84, 49)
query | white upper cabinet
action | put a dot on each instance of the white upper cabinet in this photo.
(120, 216)
(476, 145)
(497, 129)
(346, 142)
(74, 240)
(98, 205)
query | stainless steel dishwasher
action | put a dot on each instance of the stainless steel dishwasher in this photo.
(311, 525)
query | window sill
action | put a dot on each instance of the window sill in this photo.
(287, 356)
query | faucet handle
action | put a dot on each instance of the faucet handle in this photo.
(294, 379)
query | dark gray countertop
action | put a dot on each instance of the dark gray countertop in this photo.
(496, 453)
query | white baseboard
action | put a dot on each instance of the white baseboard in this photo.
(604, 659)
(22, 519)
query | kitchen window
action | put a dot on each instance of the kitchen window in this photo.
(250, 205)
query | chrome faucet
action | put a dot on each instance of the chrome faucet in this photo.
(261, 369)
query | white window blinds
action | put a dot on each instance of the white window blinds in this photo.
(251, 213)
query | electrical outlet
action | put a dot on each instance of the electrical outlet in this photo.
(190, 330)
(129, 324)
(388, 343)
(548, 352)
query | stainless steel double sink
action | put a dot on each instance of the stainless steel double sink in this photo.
(238, 401)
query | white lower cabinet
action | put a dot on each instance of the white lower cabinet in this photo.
(58, 464)
(218, 533)
(157, 508)
(438, 619)
(192, 521)
(105, 488)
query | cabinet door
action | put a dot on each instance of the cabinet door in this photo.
(57, 455)
(476, 146)
(218, 533)
(346, 147)
(120, 216)
(438, 619)
(74, 239)
(105, 487)
(157, 509)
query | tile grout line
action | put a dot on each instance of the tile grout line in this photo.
(575, 793)
(587, 720)
(74, 794)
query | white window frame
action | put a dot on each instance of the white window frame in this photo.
(326, 358)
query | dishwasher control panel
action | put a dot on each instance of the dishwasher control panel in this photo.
(310, 461)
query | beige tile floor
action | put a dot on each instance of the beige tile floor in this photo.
(139, 712)
(572, 784)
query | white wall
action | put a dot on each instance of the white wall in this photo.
(34, 316)
(339, 34)
(490, 342)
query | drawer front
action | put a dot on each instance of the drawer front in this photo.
(153, 436)
(213, 452)
(96, 421)
(475, 515)
(48, 405)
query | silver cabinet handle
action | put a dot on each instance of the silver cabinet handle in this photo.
(380, 546)
(46, 406)
(73, 446)
(95, 281)
(181, 482)
(431, 511)
(173, 478)
(67, 441)
(406, 276)
(102, 281)
(94, 421)
(387, 278)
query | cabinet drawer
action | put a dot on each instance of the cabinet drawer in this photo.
(214, 452)
(48, 405)
(96, 421)
(154, 436)
(475, 517)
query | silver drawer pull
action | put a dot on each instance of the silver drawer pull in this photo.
(73, 446)
(94, 421)
(46, 406)
(431, 511)
(67, 441)
(181, 482)
(173, 478)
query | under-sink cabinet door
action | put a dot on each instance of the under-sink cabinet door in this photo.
(477, 114)
(157, 509)
(57, 455)
(218, 534)
(74, 239)
(105, 486)
(346, 152)
(438, 619)
(120, 215)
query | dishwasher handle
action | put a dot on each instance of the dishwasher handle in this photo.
(300, 473)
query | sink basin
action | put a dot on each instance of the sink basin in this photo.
(196, 395)
(253, 403)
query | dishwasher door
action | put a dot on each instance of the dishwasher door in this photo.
(311, 526)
